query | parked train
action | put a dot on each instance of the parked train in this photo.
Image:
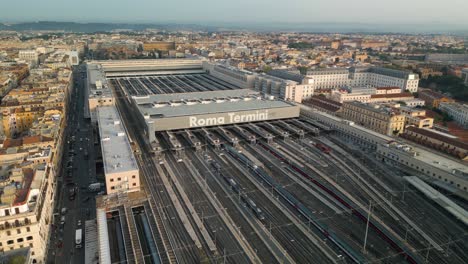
(410, 257)
(237, 189)
(325, 149)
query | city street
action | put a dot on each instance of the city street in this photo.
(77, 172)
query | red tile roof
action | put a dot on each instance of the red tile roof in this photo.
(438, 137)
(396, 95)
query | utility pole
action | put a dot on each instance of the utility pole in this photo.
(270, 229)
(224, 255)
(404, 190)
(367, 226)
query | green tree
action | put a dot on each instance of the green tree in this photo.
(17, 260)
(266, 68)
(303, 69)
(447, 84)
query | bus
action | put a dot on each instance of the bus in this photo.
(78, 238)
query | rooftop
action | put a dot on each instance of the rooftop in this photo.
(183, 104)
(97, 82)
(395, 95)
(377, 108)
(439, 136)
(440, 162)
(434, 159)
(116, 151)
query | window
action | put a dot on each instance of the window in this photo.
(20, 240)
(119, 179)
(29, 238)
(133, 176)
(134, 184)
(28, 229)
(113, 188)
(9, 242)
(18, 231)
(111, 179)
(8, 233)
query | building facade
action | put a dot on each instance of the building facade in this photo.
(433, 99)
(384, 120)
(459, 112)
(367, 76)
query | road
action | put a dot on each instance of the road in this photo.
(80, 173)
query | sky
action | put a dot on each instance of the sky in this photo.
(451, 12)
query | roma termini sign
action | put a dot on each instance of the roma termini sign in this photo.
(231, 118)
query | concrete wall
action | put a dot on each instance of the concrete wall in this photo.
(123, 181)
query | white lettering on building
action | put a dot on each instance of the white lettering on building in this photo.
(233, 118)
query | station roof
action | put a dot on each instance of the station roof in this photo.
(117, 154)
(198, 103)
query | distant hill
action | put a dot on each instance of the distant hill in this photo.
(92, 27)
(321, 27)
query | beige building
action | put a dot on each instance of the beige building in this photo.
(120, 167)
(416, 117)
(25, 213)
(382, 119)
(284, 89)
(342, 95)
(331, 78)
(29, 56)
(28, 164)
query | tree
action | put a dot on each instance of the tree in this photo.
(17, 260)
(303, 69)
(266, 68)
(447, 84)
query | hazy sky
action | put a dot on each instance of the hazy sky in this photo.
(193, 11)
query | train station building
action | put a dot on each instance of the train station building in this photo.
(207, 109)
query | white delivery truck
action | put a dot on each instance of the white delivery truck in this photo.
(78, 238)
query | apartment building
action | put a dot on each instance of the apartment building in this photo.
(416, 117)
(379, 118)
(433, 99)
(459, 112)
(20, 119)
(301, 87)
(35, 115)
(365, 76)
(29, 56)
(343, 95)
